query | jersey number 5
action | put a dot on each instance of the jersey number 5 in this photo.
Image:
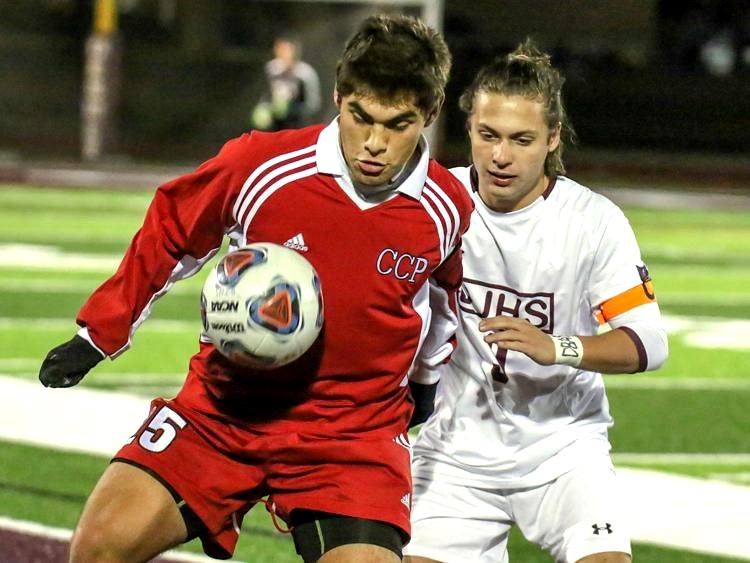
(162, 429)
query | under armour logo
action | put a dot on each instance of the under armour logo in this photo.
(598, 528)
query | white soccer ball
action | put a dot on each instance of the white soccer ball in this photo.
(262, 306)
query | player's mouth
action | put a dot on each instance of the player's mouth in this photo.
(370, 167)
(501, 179)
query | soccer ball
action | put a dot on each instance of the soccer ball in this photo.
(262, 306)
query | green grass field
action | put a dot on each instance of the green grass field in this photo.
(56, 246)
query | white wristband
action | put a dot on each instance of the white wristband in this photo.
(568, 350)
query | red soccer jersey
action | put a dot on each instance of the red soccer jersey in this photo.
(374, 265)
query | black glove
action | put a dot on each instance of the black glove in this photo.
(424, 401)
(66, 364)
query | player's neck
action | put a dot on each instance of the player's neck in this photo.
(378, 194)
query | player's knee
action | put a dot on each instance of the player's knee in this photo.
(95, 542)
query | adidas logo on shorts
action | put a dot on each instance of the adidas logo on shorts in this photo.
(406, 500)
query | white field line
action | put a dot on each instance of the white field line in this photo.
(48, 257)
(72, 286)
(686, 513)
(22, 366)
(78, 419)
(663, 507)
(19, 364)
(710, 332)
(35, 529)
(39, 257)
(658, 383)
(63, 534)
(692, 297)
(683, 458)
(57, 324)
(740, 478)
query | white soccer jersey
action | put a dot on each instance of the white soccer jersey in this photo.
(566, 263)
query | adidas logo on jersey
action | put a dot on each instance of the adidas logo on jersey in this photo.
(297, 242)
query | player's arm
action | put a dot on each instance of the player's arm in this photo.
(636, 343)
(441, 337)
(440, 341)
(183, 228)
(436, 350)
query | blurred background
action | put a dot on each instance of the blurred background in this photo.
(656, 89)
(102, 100)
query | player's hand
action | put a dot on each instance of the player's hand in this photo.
(424, 401)
(66, 364)
(519, 335)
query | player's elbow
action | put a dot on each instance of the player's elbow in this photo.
(652, 346)
(659, 352)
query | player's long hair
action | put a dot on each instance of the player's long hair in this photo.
(527, 72)
(395, 58)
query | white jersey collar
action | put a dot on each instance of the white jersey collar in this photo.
(330, 160)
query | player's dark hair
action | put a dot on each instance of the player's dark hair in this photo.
(395, 58)
(527, 72)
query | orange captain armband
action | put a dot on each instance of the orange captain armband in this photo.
(635, 296)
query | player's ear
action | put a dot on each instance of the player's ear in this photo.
(554, 138)
(337, 98)
(434, 112)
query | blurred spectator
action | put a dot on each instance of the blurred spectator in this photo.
(292, 94)
(706, 35)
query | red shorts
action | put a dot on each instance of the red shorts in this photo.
(222, 469)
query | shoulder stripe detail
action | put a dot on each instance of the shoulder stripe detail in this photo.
(444, 213)
(428, 206)
(625, 301)
(250, 196)
(270, 190)
(452, 210)
(262, 169)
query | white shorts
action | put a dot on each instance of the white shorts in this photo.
(578, 514)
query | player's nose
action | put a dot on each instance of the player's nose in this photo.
(501, 154)
(377, 140)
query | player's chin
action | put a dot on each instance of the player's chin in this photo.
(373, 180)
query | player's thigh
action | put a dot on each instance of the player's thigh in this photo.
(198, 458)
(454, 523)
(129, 516)
(578, 515)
